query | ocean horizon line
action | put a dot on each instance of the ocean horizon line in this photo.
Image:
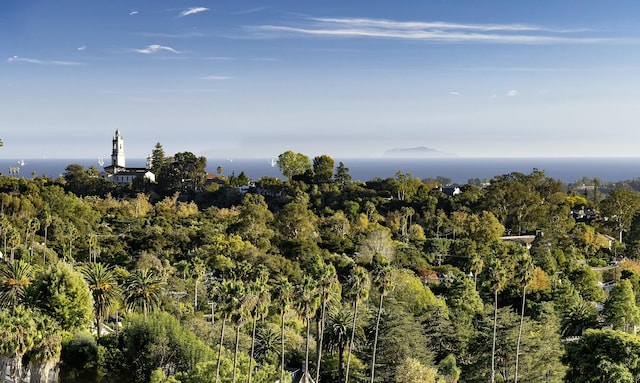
(458, 169)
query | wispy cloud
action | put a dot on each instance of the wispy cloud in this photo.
(133, 13)
(82, 48)
(454, 93)
(42, 62)
(426, 31)
(155, 48)
(185, 35)
(217, 78)
(192, 11)
(512, 93)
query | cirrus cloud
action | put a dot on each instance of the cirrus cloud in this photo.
(425, 31)
(192, 11)
(155, 48)
(41, 62)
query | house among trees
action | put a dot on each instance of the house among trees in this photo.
(118, 171)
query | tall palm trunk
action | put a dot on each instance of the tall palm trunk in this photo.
(253, 346)
(305, 372)
(282, 347)
(341, 365)
(320, 337)
(495, 328)
(524, 294)
(98, 326)
(235, 352)
(353, 335)
(220, 351)
(375, 340)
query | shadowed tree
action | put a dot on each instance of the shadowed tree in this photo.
(357, 291)
(46, 350)
(323, 169)
(337, 335)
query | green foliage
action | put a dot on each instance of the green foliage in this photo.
(410, 292)
(15, 278)
(80, 358)
(401, 336)
(620, 309)
(292, 164)
(299, 231)
(540, 349)
(64, 295)
(143, 291)
(159, 341)
(603, 356)
(412, 371)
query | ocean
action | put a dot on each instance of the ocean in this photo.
(458, 169)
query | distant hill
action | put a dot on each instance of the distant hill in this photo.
(420, 151)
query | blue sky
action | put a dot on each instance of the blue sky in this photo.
(231, 79)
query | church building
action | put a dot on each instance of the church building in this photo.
(118, 171)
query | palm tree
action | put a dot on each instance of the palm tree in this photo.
(497, 281)
(357, 290)
(260, 290)
(524, 274)
(18, 334)
(327, 279)
(476, 264)
(240, 307)
(15, 278)
(282, 295)
(267, 342)
(224, 294)
(382, 279)
(104, 288)
(199, 269)
(337, 335)
(307, 300)
(143, 290)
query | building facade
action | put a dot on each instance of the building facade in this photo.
(118, 171)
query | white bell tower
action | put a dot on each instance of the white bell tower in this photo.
(117, 153)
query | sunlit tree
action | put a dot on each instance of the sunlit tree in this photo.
(15, 277)
(104, 288)
(143, 291)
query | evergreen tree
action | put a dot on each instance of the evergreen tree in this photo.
(620, 309)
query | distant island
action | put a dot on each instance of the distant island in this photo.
(420, 151)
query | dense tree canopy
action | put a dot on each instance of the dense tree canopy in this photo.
(380, 280)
